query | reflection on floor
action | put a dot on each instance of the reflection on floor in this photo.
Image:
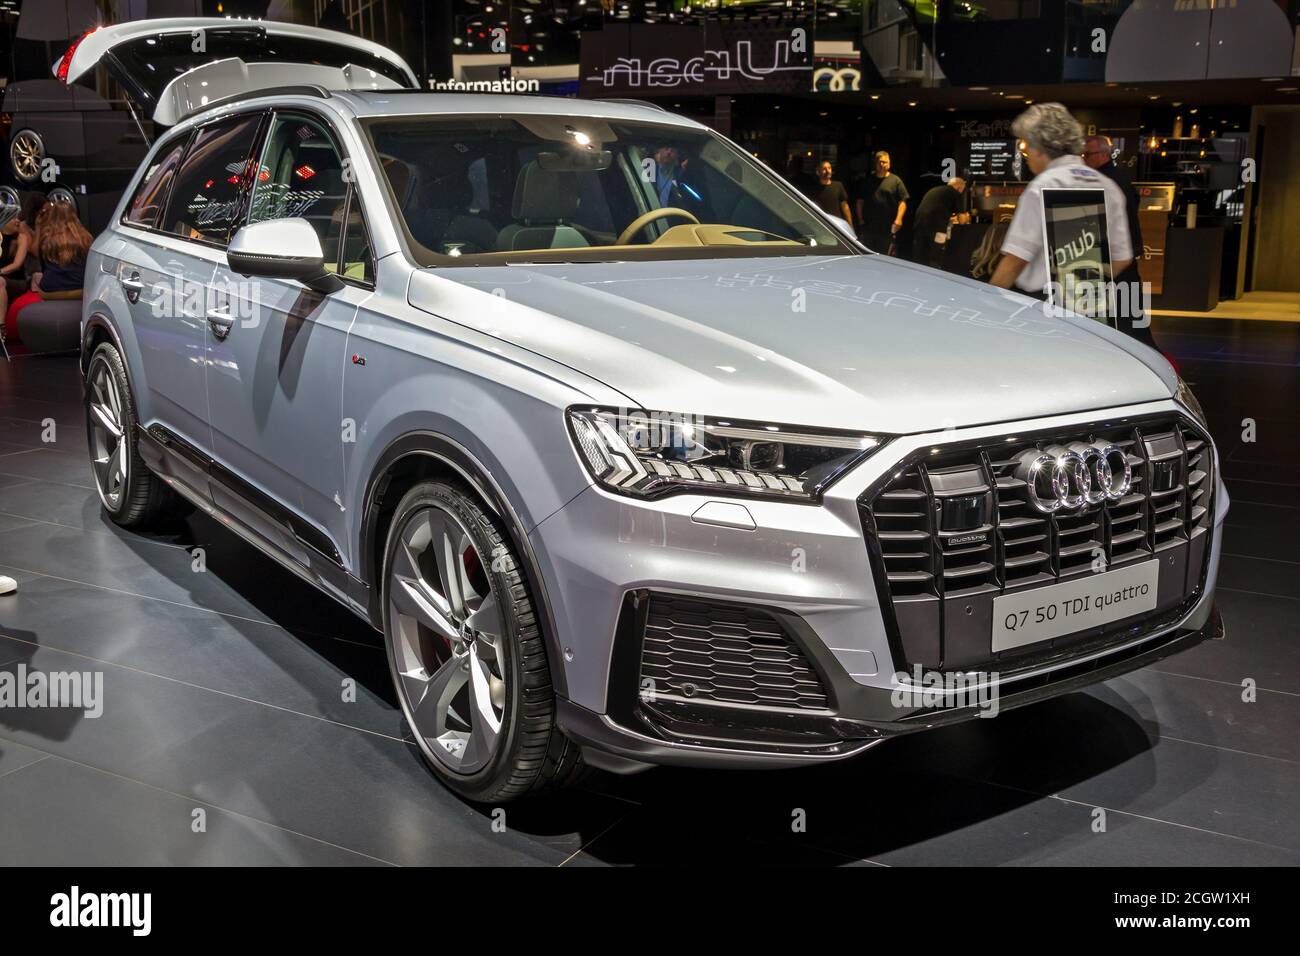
(1253, 306)
(224, 692)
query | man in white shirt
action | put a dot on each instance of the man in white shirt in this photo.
(1053, 141)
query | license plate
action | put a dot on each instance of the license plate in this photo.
(1041, 614)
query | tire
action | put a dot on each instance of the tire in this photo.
(131, 495)
(440, 533)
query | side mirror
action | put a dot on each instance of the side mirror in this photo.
(282, 249)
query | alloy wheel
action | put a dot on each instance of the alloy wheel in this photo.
(448, 637)
(107, 435)
(26, 151)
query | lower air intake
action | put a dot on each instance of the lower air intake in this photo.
(702, 652)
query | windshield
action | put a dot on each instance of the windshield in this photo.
(487, 189)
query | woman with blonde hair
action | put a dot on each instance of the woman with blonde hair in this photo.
(62, 244)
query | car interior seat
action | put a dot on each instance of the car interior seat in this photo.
(466, 233)
(545, 201)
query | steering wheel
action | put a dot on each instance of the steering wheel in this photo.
(643, 220)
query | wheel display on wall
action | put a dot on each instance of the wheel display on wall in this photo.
(26, 153)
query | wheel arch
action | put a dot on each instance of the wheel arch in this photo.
(427, 455)
(97, 329)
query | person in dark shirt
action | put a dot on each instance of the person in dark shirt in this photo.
(830, 195)
(882, 202)
(1098, 152)
(939, 207)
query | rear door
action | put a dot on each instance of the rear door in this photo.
(174, 66)
(178, 224)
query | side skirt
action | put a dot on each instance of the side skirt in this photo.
(258, 519)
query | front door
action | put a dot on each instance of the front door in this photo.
(274, 378)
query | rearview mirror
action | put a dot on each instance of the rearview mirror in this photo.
(282, 249)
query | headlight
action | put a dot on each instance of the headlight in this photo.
(650, 454)
(1184, 397)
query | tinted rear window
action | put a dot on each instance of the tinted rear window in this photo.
(151, 197)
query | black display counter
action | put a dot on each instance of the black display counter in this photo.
(1193, 263)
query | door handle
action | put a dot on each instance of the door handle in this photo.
(221, 323)
(133, 286)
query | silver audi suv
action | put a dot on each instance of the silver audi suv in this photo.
(632, 454)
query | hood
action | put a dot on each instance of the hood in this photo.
(857, 342)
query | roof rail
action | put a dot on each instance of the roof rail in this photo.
(645, 103)
(303, 89)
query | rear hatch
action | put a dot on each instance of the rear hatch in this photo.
(169, 68)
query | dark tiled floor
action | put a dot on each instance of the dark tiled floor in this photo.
(225, 703)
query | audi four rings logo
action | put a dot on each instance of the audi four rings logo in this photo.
(1068, 478)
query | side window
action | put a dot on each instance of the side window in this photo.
(301, 176)
(205, 198)
(151, 196)
(357, 261)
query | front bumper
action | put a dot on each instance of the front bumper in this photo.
(808, 567)
(879, 717)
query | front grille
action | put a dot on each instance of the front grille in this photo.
(702, 651)
(939, 583)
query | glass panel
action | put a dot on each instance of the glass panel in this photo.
(205, 200)
(358, 262)
(511, 186)
(151, 197)
(301, 175)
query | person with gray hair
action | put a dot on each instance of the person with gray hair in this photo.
(1052, 141)
(1050, 129)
